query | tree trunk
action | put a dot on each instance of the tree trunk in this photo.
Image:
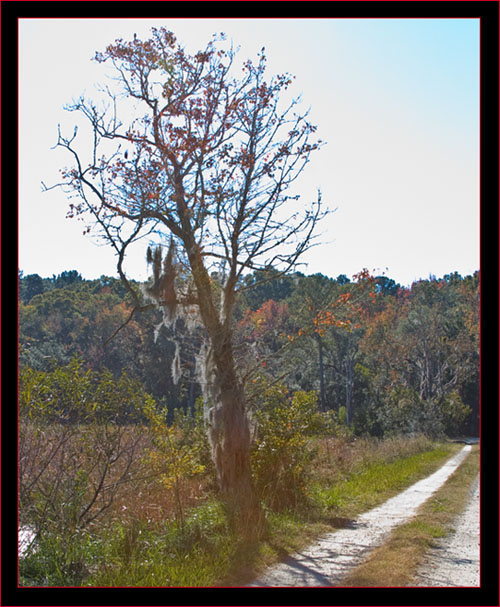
(349, 380)
(230, 437)
(225, 406)
(231, 447)
(322, 398)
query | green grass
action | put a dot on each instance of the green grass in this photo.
(331, 507)
(204, 552)
(374, 483)
(168, 554)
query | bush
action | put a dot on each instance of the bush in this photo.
(74, 456)
(453, 413)
(404, 412)
(172, 458)
(72, 394)
(193, 432)
(282, 450)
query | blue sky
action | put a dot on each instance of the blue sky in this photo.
(397, 102)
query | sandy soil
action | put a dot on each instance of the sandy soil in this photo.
(455, 562)
(333, 556)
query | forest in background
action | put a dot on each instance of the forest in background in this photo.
(383, 358)
(352, 386)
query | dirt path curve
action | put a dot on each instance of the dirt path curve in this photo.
(326, 562)
(455, 562)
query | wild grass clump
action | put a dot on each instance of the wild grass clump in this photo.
(340, 456)
(167, 554)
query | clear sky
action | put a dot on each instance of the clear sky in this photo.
(396, 100)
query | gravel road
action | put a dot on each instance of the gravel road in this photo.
(455, 561)
(326, 562)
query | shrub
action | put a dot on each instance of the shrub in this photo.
(171, 458)
(74, 457)
(405, 412)
(193, 431)
(282, 450)
(453, 413)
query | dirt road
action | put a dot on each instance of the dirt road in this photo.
(455, 562)
(333, 556)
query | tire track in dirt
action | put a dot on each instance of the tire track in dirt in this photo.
(455, 561)
(332, 557)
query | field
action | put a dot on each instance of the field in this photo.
(144, 531)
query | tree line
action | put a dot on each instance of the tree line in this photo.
(385, 359)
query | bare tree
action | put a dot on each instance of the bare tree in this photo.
(205, 169)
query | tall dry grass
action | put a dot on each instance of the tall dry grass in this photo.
(339, 457)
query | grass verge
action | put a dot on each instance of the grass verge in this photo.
(204, 552)
(332, 506)
(375, 482)
(396, 562)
